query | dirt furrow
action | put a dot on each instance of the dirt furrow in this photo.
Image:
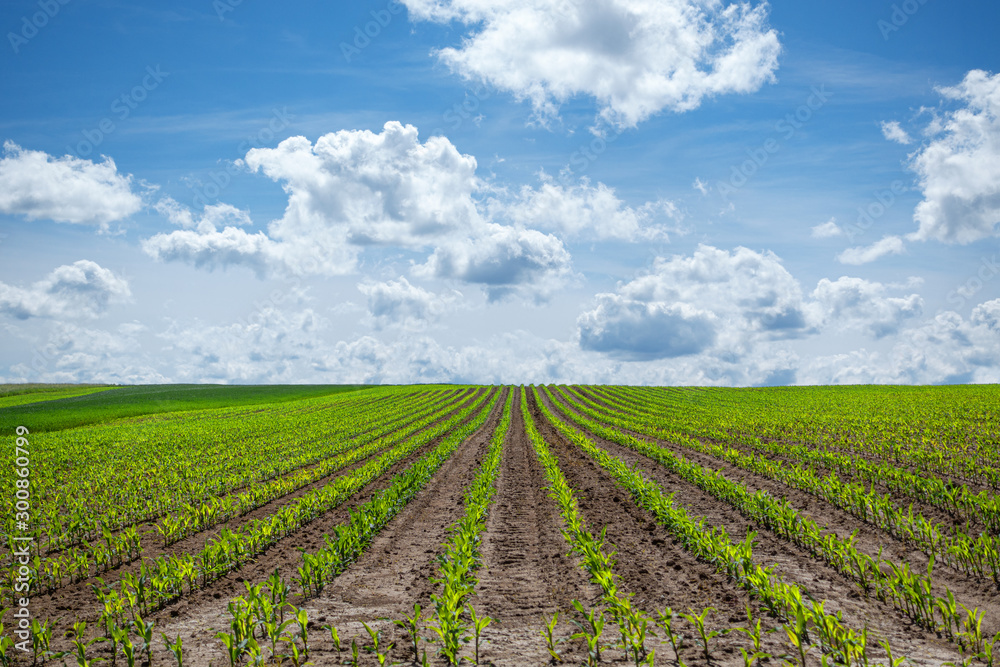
(80, 599)
(526, 575)
(204, 613)
(653, 566)
(795, 564)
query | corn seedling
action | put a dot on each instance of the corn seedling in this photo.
(704, 636)
(410, 625)
(479, 624)
(548, 632)
(590, 631)
(175, 647)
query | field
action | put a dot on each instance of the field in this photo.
(501, 525)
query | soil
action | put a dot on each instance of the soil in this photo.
(527, 573)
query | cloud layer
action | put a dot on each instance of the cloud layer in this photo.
(67, 189)
(635, 57)
(959, 169)
(83, 289)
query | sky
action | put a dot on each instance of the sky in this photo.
(669, 192)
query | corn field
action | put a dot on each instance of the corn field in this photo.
(538, 525)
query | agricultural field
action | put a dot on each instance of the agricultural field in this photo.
(537, 525)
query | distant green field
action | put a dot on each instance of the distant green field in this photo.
(12, 395)
(93, 405)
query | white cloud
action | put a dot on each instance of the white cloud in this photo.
(959, 169)
(272, 346)
(827, 230)
(713, 301)
(72, 353)
(83, 289)
(67, 189)
(355, 189)
(583, 210)
(854, 303)
(213, 215)
(946, 348)
(893, 131)
(371, 189)
(636, 57)
(700, 186)
(212, 248)
(398, 303)
(505, 261)
(889, 245)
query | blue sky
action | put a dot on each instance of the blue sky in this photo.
(638, 192)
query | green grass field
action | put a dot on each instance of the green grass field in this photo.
(57, 407)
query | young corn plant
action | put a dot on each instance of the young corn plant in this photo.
(410, 625)
(591, 629)
(479, 623)
(378, 648)
(552, 643)
(665, 619)
(175, 647)
(704, 636)
(41, 638)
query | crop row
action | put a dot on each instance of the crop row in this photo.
(957, 499)
(80, 502)
(461, 556)
(164, 578)
(947, 431)
(895, 583)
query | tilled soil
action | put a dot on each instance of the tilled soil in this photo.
(398, 568)
(795, 564)
(653, 566)
(197, 613)
(527, 574)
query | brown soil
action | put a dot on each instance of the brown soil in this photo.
(78, 601)
(796, 565)
(527, 573)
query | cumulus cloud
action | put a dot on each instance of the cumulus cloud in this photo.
(356, 189)
(893, 131)
(889, 245)
(83, 289)
(586, 211)
(373, 189)
(637, 330)
(74, 353)
(827, 230)
(398, 303)
(504, 261)
(944, 349)
(272, 346)
(67, 189)
(854, 303)
(713, 299)
(212, 216)
(635, 57)
(959, 169)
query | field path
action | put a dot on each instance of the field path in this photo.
(526, 575)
